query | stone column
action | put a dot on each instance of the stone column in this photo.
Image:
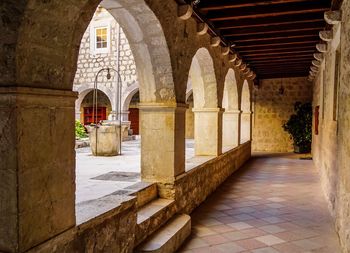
(125, 116)
(37, 169)
(162, 141)
(189, 123)
(246, 126)
(230, 135)
(208, 131)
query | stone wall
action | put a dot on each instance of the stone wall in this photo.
(272, 109)
(89, 62)
(108, 224)
(193, 187)
(331, 147)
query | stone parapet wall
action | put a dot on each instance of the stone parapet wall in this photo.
(193, 187)
(109, 224)
(272, 109)
(113, 231)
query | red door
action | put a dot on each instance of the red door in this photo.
(89, 116)
(134, 119)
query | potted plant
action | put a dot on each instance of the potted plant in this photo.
(299, 126)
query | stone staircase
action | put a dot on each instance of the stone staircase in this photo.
(159, 229)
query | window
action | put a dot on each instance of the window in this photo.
(101, 38)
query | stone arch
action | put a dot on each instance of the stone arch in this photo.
(48, 45)
(127, 96)
(203, 80)
(230, 121)
(230, 96)
(149, 47)
(84, 92)
(246, 113)
(85, 89)
(245, 97)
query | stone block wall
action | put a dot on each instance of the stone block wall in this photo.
(331, 146)
(89, 62)
(193, 187)
(272, 109)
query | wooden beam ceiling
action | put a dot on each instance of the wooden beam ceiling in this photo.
(275, 37)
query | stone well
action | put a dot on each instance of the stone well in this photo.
(105, 139)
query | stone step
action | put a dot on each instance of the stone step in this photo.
(169, 237)
(145, 192)
(152, 216)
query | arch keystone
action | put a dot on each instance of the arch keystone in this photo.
(184, 12)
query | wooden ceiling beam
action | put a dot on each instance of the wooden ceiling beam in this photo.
(317, 26)
(283, 75)
(270, 21)
(248, 58)
(227, 4)
(277, 43)
(278, 49)
(299, 35)
(267, 11)
(254, 61)
(278, 53)
(302, 62)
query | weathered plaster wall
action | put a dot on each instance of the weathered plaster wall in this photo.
(331, 147)
(272, 110)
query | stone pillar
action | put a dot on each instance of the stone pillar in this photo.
(37, 169)
(162, 141)
(208, 131)
(230, 128)
(189, 123)
(246, 126)
(125, 116)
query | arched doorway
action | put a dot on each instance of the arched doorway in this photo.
(104, 107)
(134, 116)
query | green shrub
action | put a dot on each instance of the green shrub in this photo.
(80, 131)
(299, 126)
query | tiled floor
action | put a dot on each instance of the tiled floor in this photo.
(274, 204)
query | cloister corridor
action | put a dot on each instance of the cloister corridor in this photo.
(274, 204)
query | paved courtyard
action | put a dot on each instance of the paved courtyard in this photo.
(275, 204)
(99, 176)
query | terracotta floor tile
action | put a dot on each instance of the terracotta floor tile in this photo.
(250, 244)
(275, 200)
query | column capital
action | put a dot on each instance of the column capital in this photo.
(162, 106)
(245, 112)
(199, 110)
(233, 112)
